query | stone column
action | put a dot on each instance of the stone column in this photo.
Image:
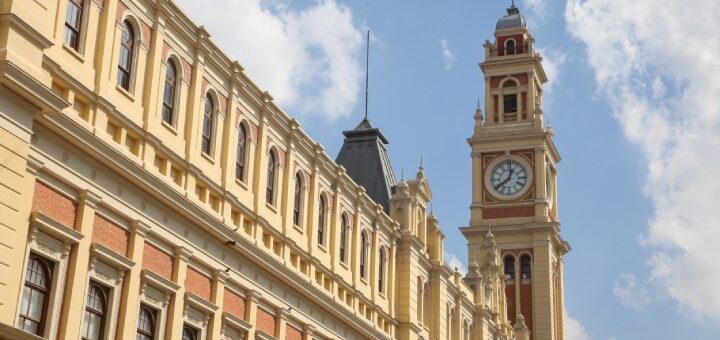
(253, 297)
(129, 299)
(218, 291)
(176, 308)
(76, 280)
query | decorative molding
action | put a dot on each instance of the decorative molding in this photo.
(99, 251)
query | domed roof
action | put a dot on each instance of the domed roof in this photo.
(512, 20)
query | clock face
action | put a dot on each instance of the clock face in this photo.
(508, 177)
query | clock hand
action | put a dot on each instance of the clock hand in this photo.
(503, 182)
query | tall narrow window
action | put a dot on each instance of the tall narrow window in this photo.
(189, 333)
(168, 110)
(510, 50)
(321, 221)
(240, 154)
(146, 323)
(127, 42)
(208, 121)
(297, 204)
(426, 304)
(343, 238)
(73, 23)
(510, 266)
(510, 103)
(95, 310)
(33, 308)
(381, 271)
(363, 254)
(525, 267)
(270, 190)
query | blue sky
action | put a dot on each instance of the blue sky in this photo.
(626, 104)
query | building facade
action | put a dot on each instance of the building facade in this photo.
(151, 190)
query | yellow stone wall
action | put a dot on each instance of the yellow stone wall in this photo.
(65, 123)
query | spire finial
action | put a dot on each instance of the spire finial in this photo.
(478, 105)
(367, 71)
(402, 174)
(421, 163)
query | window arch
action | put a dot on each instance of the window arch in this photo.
(127, 55)
(95, 312)
(510, 266)
(426, 304)
(525, 267)
(189, 333)
(381, 270)
(363, 254)
(271, 174)
(240, 153)
(322, 217)
(168, 108)
(208, 122)
(510, 47)
(298, 201)
(33, 309)
(73, 23)
(146, 323)
(510, 97)
(344, 230)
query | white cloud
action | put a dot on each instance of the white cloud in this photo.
(308, 58)
(537, 10)
(656, 63)
(553, 60)
(447, 54)
(455, 263)
(630, 292)
(574, 330)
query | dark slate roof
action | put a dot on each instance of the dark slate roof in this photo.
(365, 158)
(512, 20)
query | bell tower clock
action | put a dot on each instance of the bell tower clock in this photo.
(514, 192)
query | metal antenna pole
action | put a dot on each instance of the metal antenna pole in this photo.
(367, 72)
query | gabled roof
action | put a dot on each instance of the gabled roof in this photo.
(365, 158)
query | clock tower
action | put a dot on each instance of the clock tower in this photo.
(514, 192)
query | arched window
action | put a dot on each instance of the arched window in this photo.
(189, 333)
(168, 109)
(381, 270)
(146, 323)
(95, 310)
(466, 333)
(510, 266)
(420, 299)
(344, 226)
(426, 304)
(73, 23)
(297, 207)
(125, 63)
(510, 47)
(322, 207)
(33, 309)
(207, 127)
(510, 100)
(363, 254)
(240, 154)
(525, 267)
(270, 190)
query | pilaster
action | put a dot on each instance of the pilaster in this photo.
(74, 297)
(176, 307)
(129, 299)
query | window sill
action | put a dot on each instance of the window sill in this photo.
(125, 93)
(170, 127)
(322, 247)
(363, 280)
(344, 265)
(241, 183)
(298, 228)
(208, 157)
(271, 207)
(74, 53)
(382, 295)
